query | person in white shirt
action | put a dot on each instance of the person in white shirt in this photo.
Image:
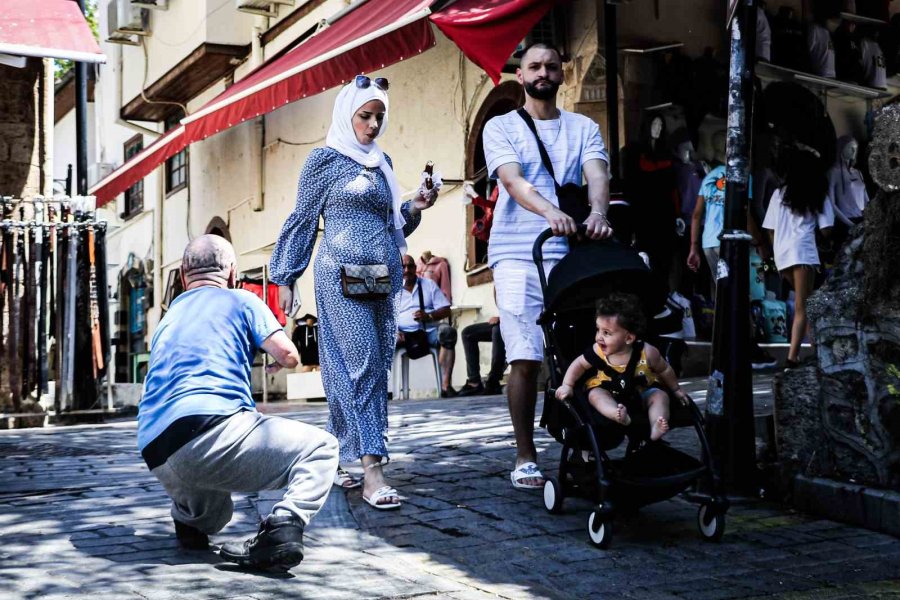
(794, 213)
(435, 308)
(527, 205)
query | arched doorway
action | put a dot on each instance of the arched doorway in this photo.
(218, 226)
(504, 98)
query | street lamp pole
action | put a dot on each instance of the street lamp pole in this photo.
(729, 408)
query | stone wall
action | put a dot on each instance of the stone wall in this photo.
(840, 418)
(20, 165)
(20, 176)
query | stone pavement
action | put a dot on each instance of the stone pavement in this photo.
(80, 516)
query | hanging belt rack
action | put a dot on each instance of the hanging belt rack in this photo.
(57, 214)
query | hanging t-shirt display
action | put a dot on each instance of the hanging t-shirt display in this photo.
(847, 55)
(821, 50)
(763, 36)
(848, 190)
(873, 64)
(789, 49)
(688, 177)
(270, 297)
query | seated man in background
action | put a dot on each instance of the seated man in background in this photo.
(488, 331)
(435, 308)
(198, 428)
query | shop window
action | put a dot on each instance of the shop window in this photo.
(134, 196)
(504, 98)
(177, 166)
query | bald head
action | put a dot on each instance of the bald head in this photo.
(208, 260)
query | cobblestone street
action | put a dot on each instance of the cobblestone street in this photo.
(81, 516)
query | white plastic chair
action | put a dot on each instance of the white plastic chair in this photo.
(400, 372)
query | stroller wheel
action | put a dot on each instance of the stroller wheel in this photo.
(711, 523)
(553, 496)
(603, 535)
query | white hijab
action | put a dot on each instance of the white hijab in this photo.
(342, 138)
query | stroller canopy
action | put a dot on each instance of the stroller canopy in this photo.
(594, 268)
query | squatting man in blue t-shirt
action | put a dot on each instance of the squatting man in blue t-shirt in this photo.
(198, 428)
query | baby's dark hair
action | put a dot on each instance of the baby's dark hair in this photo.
(626, 308)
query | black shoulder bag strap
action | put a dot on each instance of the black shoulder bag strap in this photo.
(545, 158)
(421, 302)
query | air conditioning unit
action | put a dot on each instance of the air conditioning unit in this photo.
(126, 19)
(152, 4)
(98, 171)
(114, 35)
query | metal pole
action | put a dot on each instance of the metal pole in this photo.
(69, 180)
(611, 50)
(81, 123)
(730, 398)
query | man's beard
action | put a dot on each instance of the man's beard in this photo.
(544, 93)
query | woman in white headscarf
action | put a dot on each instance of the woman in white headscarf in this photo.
(351, 184)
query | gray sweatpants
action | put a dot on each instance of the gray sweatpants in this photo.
(249, 452)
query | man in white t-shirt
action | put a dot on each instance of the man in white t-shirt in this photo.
(527, 205)
(434, 308)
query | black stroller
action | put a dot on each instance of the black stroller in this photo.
(649, 472)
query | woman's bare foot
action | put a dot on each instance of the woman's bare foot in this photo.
(622, 416)
(659, 429)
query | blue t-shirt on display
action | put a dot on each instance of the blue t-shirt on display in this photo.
(200, 358)
(713, 191)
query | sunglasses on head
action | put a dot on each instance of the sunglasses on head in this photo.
(363, 82)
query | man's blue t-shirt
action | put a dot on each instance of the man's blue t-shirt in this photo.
(200, 358)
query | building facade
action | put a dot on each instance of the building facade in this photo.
(241, 182)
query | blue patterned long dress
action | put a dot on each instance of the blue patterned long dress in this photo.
(356, 337)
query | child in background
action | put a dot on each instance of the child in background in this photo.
(620, 322)
(795, 212)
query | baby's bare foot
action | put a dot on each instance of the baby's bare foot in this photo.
(622, 415)
(659, 429)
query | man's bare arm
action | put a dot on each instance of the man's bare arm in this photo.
(282, 349)
(597, 176)
(527, 196)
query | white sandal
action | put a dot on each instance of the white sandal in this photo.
(343, 479)
(528, 470)
(380, 494)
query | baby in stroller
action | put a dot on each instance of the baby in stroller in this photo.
(626, 368)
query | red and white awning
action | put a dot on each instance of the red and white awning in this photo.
(47, 29)
(377, 34)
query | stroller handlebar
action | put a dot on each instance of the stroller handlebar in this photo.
(537, 251)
